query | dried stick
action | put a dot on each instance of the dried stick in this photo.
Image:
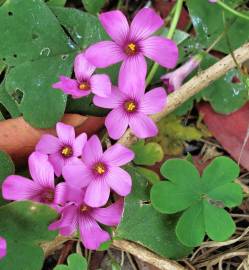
(194, 86)
(147, 256)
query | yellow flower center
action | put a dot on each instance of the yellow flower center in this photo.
(67, 151)
(99, 168)
(131, 49)
(83, 208)
(84, 86)
(48, 196)
(130, 106)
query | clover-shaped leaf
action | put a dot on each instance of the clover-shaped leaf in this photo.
(147, 154)
(202, 198)
(75, 262)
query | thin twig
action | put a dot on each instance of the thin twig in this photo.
(194, 86)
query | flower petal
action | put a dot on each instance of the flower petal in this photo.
(104, 54)
(91, 234)
(116, 25)
(113, 101)
(41, 170)
(19, 188)
(67, 85)
(119, 180)
(77, 175)
(153, 101)
(118, 155)
(78, 144)
(97, 193)
(48, 144)
(83, 69)
(92, 151)
(110, 215)
(60, 194)
(145, 23)
(68, 222)
(57, 162)
(132, 73)
(116, 123)
(101, 85)
(161, 50)
(143, 126)
(65, 133)
(3, 247)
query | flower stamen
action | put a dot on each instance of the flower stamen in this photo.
(100, 168)
(130, 106)
(47, 196)
(131, 49)
(67, 151)
(83, 208)
(84, 86)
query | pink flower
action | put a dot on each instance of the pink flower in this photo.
(64, 149)
(212, 1)
(3, 247)
(85, 83)
(130, 107)
(174, 80)
(131, 43)
(100, 172)
(41, 189)
(79, 215)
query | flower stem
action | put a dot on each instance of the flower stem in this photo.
(170, 33)
(233, 11)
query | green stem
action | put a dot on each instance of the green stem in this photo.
(233, 11)
(170, 34)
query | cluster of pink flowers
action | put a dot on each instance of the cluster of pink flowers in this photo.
(130, 44)
(90, 174)
(79, 200)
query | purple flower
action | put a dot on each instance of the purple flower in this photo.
(174, 80)
(41, 189)
(85, 83)
(131, 43)
(212, 1)
(130, 107)
(100, 171)
(3, 247)
(64, 149)
(77, 214)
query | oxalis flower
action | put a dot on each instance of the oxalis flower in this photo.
(40, 189)
(64, 149)
(174, 80)
(86, 82)
(78, 215)
(130, 107)
(3, 247)
(212, 1)
(131, 44)
(99, 172)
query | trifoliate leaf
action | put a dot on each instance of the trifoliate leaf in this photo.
(147, 154)
(75, 262)
(202, 198)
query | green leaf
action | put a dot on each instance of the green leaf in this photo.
(150, 175)
(229, 194)
(56, 2)
(93, 6)
(203, 199)
(190, 228)
(178, 170)
(36, 58)
(24, 230)
(219, 224)
(7, 168)
(147, 154)
(75, 262)
(142, 224)
(220, 171)
(207, 20)
(171, 198)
